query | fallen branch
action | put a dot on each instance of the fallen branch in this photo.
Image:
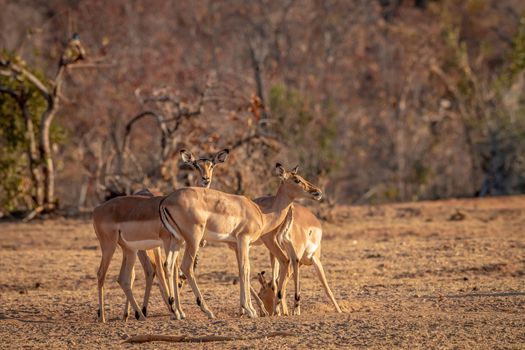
(33, 213)
(144, 338)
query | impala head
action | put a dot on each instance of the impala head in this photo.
(204, 165)
(266, 293)
(296, 185)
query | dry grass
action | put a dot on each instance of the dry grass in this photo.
(447, 274)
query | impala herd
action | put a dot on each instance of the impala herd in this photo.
(142, 224)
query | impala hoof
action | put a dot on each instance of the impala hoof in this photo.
(177, 315)
(251, 313)
(100, 317)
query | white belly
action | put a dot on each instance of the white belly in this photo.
(143, 245)
(145, 234)
(218, 237)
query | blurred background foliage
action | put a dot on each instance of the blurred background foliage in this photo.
(377, 101)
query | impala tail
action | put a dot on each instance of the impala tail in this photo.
(168, 222)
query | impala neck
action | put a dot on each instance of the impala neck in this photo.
(276, 207)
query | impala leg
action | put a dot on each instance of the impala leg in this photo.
(124, 279)
(168, 266)
(187, 268)
(284, 275)
(259, 302)
(284, 305)
(107, 254)
(275, 277)
(294, 261)
(172, 255)
(253, 292)
(181, 279)
(177, 284)
(233, 247)
(320, 273)
(161, 274)
(243, 256)
(297, 296)
(126, 304)
(275, 271)
(149, 275)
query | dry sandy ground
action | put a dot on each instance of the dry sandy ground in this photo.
(406, 276)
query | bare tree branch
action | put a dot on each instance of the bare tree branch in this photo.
(19, 70)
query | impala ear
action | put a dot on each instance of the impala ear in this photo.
(187, 157)
(221, 156)
(280, 171)
(295, 170)
(261, 279)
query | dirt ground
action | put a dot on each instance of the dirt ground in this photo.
(445, 274)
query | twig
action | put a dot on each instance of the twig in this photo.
(33, 214)
(144, 338)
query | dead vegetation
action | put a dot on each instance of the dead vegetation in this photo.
(377, 101)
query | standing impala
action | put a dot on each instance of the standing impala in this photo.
(204, 166)
(196, 213)
(133, 223)
(303, 246)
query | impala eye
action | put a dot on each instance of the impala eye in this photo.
(297, 181)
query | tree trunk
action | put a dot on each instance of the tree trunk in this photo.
(45, 144)
(33, 156)
(47, 165)
(257, 62)
(401, 146)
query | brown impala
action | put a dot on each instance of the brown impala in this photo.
(133, 223)
(193, 214)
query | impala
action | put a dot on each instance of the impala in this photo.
(205, 168)
(303, 247)
(193, 214)
(133, 223)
